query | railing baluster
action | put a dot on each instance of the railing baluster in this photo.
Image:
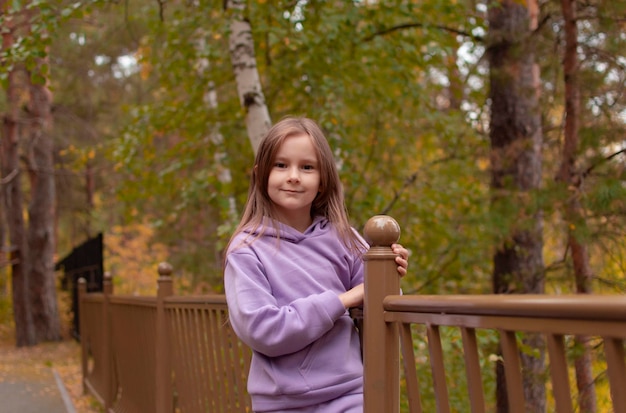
(437, 367)
(616, 365)
(408, 357)
(212, 349)
(187, 370)
(206, 390)
(177, 360)
(229, 359)
(559, 373)
(219, 343)
(514, 387)
(472, 370)
(193, 336)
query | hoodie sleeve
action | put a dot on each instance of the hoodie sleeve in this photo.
(358, 268)
(261, 323)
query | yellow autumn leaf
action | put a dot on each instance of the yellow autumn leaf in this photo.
(483, 164)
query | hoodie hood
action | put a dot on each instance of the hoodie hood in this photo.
(275, 229)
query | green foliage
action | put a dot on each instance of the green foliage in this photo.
(378, 78)
(400, 88)
(43, 20)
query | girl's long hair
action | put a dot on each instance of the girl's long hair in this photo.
(329, 202)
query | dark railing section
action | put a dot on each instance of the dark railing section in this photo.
(171, 353)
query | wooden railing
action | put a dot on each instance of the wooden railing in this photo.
(169, 353)
(161, 354)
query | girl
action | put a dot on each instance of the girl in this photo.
(293, 267)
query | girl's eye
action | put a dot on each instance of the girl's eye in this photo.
(307, 167)
(279, 165)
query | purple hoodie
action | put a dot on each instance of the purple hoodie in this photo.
(283, 302)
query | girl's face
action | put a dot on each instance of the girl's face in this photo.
(294, 181)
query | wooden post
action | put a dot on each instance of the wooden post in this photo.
(381, 355)
(164, 402)
(107, 345)
(82, 327)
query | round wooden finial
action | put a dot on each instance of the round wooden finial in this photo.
(381, 231)
(165, 269)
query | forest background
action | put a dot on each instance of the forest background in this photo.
(150, 145)
(493, 132)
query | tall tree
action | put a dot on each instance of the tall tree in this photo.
(41, 209)
(571, 178)
(13, 197)
(516, 138)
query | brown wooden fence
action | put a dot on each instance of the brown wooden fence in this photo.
(170, 353)
(163, 353)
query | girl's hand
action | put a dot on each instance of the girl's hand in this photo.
(402, 259)
(353, 297)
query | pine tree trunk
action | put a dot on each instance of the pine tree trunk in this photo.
(516, 138)
(41, 213)
(11, 186)
(249, 87)
(573, 214)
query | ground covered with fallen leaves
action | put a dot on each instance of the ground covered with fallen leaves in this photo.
(63, 357)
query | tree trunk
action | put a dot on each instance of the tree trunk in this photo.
(249, 87)
(516, 138)
(11, 185)
(41, 213)
(573, 214)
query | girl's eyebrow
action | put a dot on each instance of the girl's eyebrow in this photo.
(302, 160)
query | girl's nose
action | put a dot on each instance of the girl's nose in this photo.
(294, 175)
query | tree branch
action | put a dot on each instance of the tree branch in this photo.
(408, 181)
(606, 159)
(392, 29)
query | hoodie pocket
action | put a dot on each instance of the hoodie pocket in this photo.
(276, 376)
(335, 357)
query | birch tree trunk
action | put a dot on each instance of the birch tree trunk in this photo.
(572, 179)
(243, 58)
(13, 197)
(41, 213)
(516, 139)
